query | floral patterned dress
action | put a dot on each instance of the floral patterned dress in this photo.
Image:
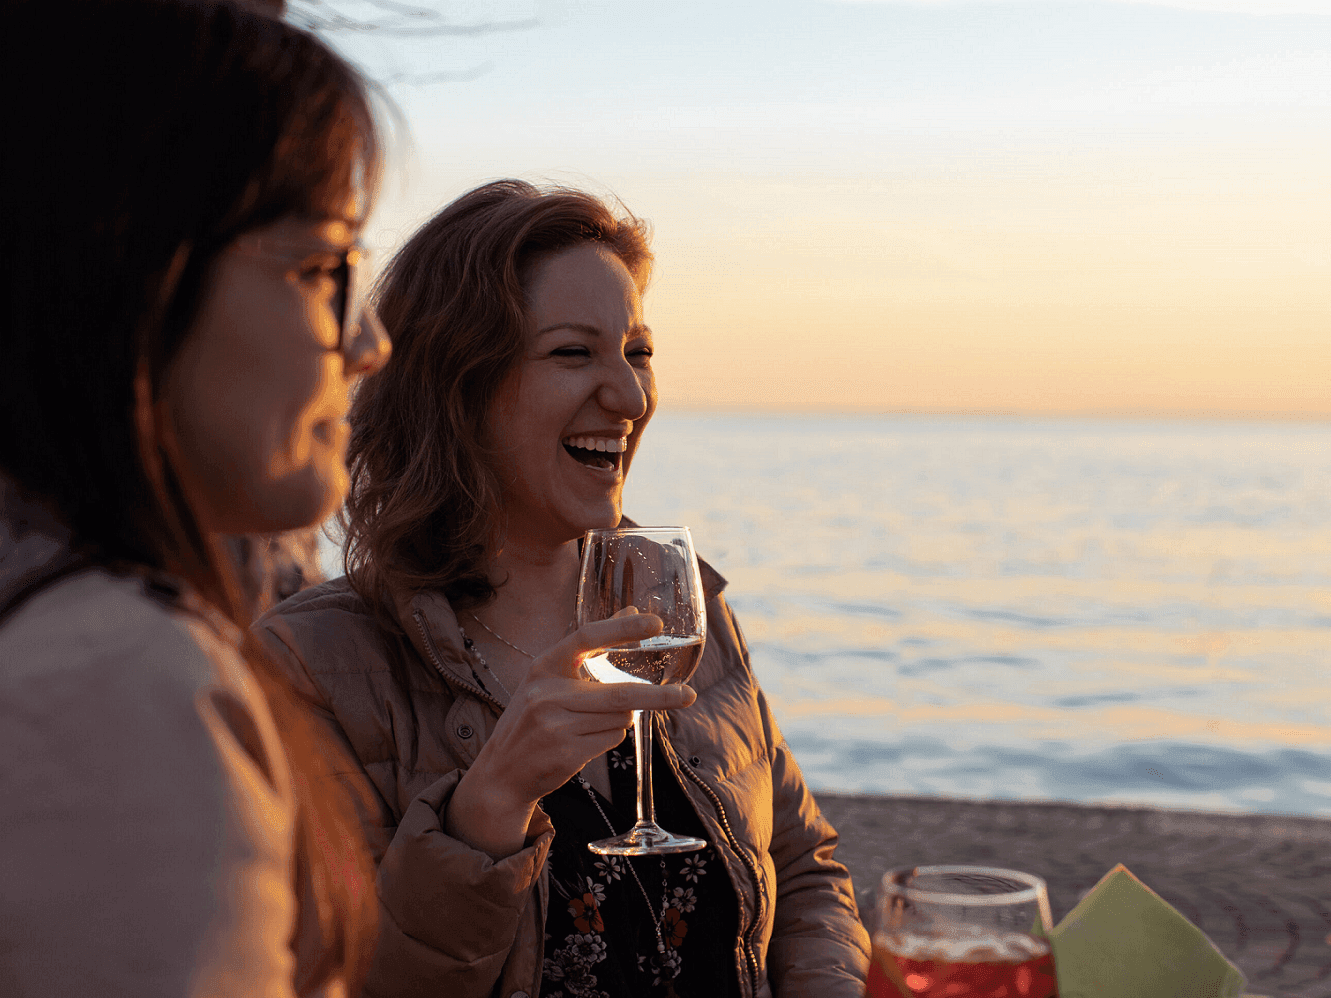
(601, 932)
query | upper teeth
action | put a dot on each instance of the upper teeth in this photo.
(611, 445)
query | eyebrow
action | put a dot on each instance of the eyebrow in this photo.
(311, 223)
(582, 327)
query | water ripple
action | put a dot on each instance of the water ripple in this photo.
(1081, 610)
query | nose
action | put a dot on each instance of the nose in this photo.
(369, 347)
(628, 391)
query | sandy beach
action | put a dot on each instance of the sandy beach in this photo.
(1259, 886)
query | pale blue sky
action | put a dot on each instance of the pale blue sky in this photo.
(886, 206)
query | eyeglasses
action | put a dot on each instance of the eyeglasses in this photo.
(341, 265)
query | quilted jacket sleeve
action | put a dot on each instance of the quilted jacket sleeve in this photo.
(819, 948)
(448, 913)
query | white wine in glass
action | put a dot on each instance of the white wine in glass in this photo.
(644, 570)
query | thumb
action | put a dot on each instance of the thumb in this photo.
(565, 658)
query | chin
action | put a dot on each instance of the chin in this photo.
(602, 519)
(303, 500)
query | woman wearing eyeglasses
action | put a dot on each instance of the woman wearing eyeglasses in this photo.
(182, 331)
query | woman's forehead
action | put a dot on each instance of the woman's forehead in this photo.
(338, 219)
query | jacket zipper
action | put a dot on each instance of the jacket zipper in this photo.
(485, 697)
(760, 891)
(479, 693)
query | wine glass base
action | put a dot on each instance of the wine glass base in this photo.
(646, 840)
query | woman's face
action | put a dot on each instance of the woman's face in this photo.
(567, 420)
(257, 397)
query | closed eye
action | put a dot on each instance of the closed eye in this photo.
(570, 352)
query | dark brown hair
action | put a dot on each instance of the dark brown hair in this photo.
(424, 504)
(150, 134)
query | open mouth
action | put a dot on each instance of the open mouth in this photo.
(600, 453)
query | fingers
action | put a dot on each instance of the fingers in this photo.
(524, 761)
(572, 725)
(628, 625)
(578, 696)
(603, 697)
(565, 658)
(632, 696)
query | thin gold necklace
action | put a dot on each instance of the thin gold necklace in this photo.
(500, 636)
(475, 653)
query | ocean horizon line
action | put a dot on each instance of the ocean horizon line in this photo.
(670, 409)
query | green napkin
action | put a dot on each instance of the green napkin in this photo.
(1124, 941)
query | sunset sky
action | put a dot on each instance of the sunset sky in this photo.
(874, 206)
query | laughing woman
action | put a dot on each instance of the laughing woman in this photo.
(519, 390)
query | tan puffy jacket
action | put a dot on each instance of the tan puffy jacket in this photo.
(456, 923)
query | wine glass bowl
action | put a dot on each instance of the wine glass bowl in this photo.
(644, 570)
(972, 931)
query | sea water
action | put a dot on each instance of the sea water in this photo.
(1094, 611)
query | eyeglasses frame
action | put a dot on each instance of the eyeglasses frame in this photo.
(348, 302)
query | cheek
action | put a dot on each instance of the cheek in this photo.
(262, 410)
(243, 396)
(302, 408)
(525, 420)
(280, 370)
(502, 432)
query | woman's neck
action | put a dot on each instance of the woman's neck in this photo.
(536, 592)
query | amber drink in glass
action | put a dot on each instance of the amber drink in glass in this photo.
(962, 932)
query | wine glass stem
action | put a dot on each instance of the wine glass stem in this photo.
(642, 745)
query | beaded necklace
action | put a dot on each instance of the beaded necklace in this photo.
(657, 920)
(475, 653)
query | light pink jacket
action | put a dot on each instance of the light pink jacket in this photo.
(146, 808)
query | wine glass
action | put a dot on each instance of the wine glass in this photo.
(976, 931)
(650, 570)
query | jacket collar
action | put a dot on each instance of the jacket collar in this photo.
(713, 583)
(432, 625)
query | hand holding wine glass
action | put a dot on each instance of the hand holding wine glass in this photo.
(555, 723)
(648, 570)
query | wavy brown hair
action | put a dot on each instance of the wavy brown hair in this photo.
(163, 130)
(424, 503)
